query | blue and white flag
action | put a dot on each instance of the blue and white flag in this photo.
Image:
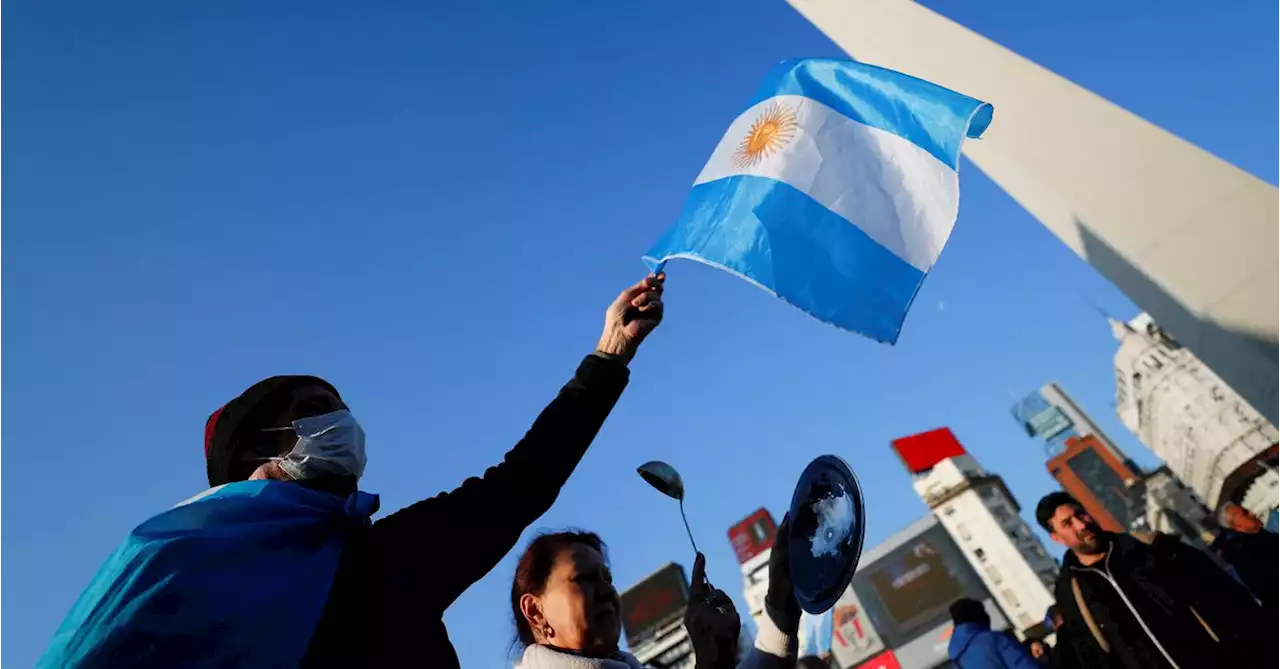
(237, 576)
(835, 190)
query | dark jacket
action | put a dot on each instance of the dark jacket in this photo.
(975, 646)
(1152, 603)
(1253, 558)
(396, 579)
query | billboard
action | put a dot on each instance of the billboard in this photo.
(656, 601)
(908, 590)
(1044, 420)
(753, 535)
(920, 452)
(853, 637)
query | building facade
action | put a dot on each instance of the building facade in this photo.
(653, 619)
(981, 516)
(1100, 481)
(1206, 433)
(1050, 415)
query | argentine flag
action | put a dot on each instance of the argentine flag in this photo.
(835, 190)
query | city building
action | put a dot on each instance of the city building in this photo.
(1049, 414)
(894, 614)
(1187, 236)
(653, 619)
(1173, 508)
(1206, 433)
(1103, 484)
(981, 516)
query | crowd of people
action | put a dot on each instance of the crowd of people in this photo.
(1139, 601)
(381, 600)
(373, 593)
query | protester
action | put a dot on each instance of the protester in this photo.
(1153, 601)
(1039, 651)
(354, 594)
(1250, 551)
(567, 612)
(974, 645)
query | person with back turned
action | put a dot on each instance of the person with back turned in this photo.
(279, 565)
(1138, 601)
(974, 645)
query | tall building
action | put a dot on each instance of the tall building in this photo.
(1049, 414)
(1189, 417)
(1173, 508)
(1102, 483)
(981, 515)
(1187, 236)
(653, 619)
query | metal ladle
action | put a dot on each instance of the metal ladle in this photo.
(667, 480)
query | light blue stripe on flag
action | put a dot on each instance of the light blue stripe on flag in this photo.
(835, 190)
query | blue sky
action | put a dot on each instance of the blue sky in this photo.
(431, 207)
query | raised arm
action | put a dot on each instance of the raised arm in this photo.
(458, 536)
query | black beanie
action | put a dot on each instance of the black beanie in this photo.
(256, 408)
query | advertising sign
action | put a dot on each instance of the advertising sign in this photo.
(920, 452)
(885, 660)
(908, 590)
(853, 637)
(656, 601)
(753, 535)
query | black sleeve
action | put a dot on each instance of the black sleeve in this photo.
(440, 546)
(1225, 605)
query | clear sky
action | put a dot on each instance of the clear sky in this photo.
(432, 206)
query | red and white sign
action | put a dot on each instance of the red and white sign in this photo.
(753, 535)
(885, 660)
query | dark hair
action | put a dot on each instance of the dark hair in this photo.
(1049, 505)
(967, 610)
(1033, 640)
(535, 566)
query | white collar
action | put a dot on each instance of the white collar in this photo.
(543, 657)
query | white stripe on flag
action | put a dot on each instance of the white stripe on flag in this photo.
(900, 195)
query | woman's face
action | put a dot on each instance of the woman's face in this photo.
(579, 604)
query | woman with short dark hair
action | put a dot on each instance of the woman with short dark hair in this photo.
(568, 614)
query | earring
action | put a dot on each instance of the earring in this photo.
(548, 632)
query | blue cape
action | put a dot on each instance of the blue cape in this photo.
(237, 576)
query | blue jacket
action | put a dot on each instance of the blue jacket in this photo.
(975, 646)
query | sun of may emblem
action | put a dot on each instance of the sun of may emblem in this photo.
(772, 130)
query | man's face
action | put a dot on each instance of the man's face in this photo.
(1074, 528)
(1241, 520)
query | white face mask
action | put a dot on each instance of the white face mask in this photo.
(331, 443)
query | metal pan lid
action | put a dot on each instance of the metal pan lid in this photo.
(827, 528)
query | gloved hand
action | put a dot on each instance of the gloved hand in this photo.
(780, 602)
(712, 622)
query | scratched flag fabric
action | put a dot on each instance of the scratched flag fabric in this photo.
(835, 190)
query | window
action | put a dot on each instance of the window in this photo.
(980, 554)
(948, 510)
(963, 531)
(994, 575)
(1010, 597)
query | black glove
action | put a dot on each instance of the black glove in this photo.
(712, 622)
(780, 602)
